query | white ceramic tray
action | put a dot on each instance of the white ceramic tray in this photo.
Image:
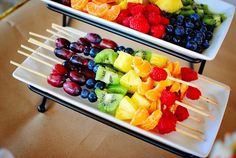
(209, 54)
(213, 89)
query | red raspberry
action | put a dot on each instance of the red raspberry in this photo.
(153, 8)
(136, 9)
(167, 98)
(158, 74)
(166, 125)
(139, 23)
(158, 31)
(181, 113)
(154, 18)
(165, 21)
(188, 74)
(123, 14)
(193, 93)
(130, 5)
(126, 21)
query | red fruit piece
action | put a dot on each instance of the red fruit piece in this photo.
(126, 21)
(131, 5)
(139, 23)
(153, 8)
(166, 125)
(167, 98)
(165, 21)
(154, 18)
(88, 73)
(72, 88)
(59, 69)
(158, 31)
(62, 43)
(122, 16)
(106, 43)
(136, 9)
(158, 74)
(56, 80)
(188, 74)
(193, 93)
(181, 113)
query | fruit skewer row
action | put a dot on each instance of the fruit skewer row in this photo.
(69, 87)
(203, 113)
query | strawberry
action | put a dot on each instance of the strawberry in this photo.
(158, 74)
(181, 113)
(188, 74)
(126, 21)
(136, 9)
(167, 98)
(153, 8)
(193, 93)
(166, 125)
(154, 18)
(123, 14)
(139, 23)
(158, 31)
(165, 21)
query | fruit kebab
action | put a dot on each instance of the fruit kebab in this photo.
(74, 89)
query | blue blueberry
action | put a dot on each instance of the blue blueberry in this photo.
(86, 51)
(90, 83)
(101, 85)
(179, 31)
(91, 64)
(209, 35)
(199, 49)
(191, 45)
(95, 68)
(195, 16)
(176, 39)
(120, 48)
(203, 29)
(93, 52)
(199, 34)
(188, 31)
(180, 19)
(197, 24)
(189, 24)
(205, 44)
(169, 29)
(198, 40)
(129, 50)
(84, 93)
(168, 37)
(92, 97)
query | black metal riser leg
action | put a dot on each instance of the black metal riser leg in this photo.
(42, 107)
(202, 66)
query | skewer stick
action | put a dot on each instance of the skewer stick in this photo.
(62, 31)
(41, 54)
(55, 33)
(181, 81)
(195, 119)
(208, 100)
(194, 109)
(77, 32)
(36, 59)
(189, 127)
(196, 106)
(40, 36)
(189, 134)
(28, 69)
(43, 45)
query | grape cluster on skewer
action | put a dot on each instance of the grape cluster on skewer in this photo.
(75, 67)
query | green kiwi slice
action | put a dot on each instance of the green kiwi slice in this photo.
(106, 56)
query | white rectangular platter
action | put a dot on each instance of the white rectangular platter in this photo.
(209, 54)
(209, 87)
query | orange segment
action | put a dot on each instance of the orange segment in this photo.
(143, 87)
(141, 67)
(139, 116)
(99, 1)
(78, 4)
(152, 121)
(183, 89)
(175, 87)
(112, 13)
(97, 10)
(177, 69)
(154, 106)
(155, 93)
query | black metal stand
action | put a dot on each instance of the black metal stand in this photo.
(42, 107)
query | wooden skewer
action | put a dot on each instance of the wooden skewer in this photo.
(189, 134)
(41, 54)
(40, 36)
(196, 106)
(62, 31)
(43, 45)
(195, 119)
(189, 127)
(77, 32)
(181, 81)
(30, 70)
(30, 56)
(208, 100)
(194, 109)
(55, 33)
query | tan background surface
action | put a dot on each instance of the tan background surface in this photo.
(61, 132)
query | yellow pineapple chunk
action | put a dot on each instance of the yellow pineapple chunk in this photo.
(169, 6)
(123, 62)
(130, 81)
